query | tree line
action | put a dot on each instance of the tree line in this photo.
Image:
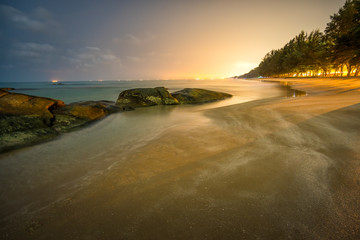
(334, 52)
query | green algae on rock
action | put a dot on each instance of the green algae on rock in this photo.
(27, 120)
(142, 97)
(197, 95)
(77, 114)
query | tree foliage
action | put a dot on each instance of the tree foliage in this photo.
(328, 53)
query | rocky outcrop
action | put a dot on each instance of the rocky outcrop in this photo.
(196, 95)
(21, 104)
(142, 97)
(88, 110)
(77, 114)
(26, 120)
(6, 89)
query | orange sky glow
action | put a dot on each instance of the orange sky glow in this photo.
(150, 39)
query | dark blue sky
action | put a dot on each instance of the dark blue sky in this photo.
(157, 39)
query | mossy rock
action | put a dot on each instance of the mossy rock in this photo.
(197, 95)
(17, 131)
(27, 120)
(142, 97)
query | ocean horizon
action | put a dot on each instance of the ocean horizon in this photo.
(75, 91)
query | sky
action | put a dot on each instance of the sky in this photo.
(43, 40)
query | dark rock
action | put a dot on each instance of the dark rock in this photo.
(78, 114)
(90, 110)
(23, 130)
(6, 89)
(196, 95)
(27, 120)
(142, 97)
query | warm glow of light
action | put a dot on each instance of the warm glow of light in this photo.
(207, 77)
(54, 81)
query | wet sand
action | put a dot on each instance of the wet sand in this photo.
(276, 168)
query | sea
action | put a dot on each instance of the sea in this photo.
(134, 147)
(75, 91)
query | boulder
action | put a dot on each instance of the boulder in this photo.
(27, 120)
(196, 95)
(78, 114)
(6, 89)
(21, 104)
(142, 97)
(90, 110)
(23, 130)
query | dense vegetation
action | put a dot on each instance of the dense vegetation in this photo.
(334, 52)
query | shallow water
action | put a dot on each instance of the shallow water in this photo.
(91, 150)
(183, 167)
(109, 90)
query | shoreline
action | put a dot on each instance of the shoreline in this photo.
(275, 167)
(27, 120)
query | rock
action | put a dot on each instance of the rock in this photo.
(22, 130)
(15, 123)
(78, 114)
(142, 97)
(88, 110)
(27, 120)
(21, 104)
(196, 95)
(6, 89)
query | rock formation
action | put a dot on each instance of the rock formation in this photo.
(196, 95)
(141, 97)
(21, 104)
(26, 120)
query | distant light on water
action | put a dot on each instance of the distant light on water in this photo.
(54, 81)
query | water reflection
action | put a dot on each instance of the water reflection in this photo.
(150, 158)
(290, 92)
(286, 86)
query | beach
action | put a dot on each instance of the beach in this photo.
(269, 168)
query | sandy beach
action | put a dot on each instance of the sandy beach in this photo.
(275, 168)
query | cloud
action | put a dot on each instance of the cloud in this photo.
(133, 39)
(135, 59)
(40, 21)
(43, 13)
(32, 51)
(137, 40)
(89, 57)
(47, 56)
(8, 66)
(42, 47)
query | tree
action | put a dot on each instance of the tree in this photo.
(311, 54)
(343, 34)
